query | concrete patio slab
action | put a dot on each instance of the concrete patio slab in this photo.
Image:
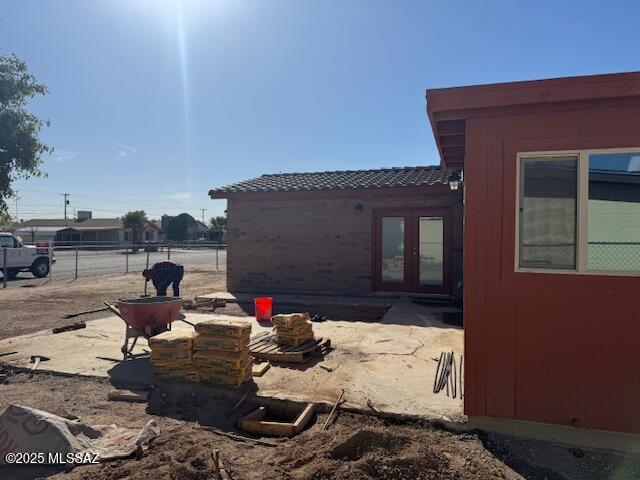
(388, 363)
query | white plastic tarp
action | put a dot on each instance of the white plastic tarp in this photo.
(27, 430)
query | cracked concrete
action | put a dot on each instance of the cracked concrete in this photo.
(388, 363)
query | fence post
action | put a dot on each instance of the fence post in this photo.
(147, 259)
(76, 263)
(126, 257)
(168, 252)
(5, 269)
(217, 266)
(50, 260)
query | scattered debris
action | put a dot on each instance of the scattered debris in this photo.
(4, 354)
(335, 407)
(200, 303)
(85, 312)
(255, 422)
(128, 396)
(218, 466)
(36, 359)
(318, 318)
(326, 367)
(370, 405)
(68, 328)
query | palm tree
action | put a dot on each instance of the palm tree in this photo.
(136, 221)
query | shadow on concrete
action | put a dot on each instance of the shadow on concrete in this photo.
(132, 373)
(212, 405)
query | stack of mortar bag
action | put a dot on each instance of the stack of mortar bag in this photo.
(221, 352)
(293, 329)
(172, 355)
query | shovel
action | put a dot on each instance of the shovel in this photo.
(37, 359)
(146, 280)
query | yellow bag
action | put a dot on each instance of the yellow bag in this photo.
(172, 340)
(179, 373)
(226, 360)
(295, 330)
(293, 341)
(289, 320)
(212, 376)
(223, 344)
(225, 328)
(170, 355)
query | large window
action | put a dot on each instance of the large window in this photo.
(579, 211)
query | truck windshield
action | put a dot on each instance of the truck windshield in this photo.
(7, 241)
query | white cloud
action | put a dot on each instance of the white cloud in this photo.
(181, 196)
(63, 156)
(124, 150)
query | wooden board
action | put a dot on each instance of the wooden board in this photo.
(263, 346)
(260, 369)
(254, 423)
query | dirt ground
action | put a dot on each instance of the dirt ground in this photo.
(353, 447)
(30, 309)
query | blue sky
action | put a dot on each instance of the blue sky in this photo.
(154, 102)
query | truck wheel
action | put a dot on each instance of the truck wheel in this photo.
(40, 268)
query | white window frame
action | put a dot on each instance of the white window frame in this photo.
(582, 213)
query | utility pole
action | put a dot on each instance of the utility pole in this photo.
(203, 210)
(66, 202)
(17, 199)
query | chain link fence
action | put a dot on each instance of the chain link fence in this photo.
(78, 261)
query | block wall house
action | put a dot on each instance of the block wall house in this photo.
(552, 247)
(351, 232)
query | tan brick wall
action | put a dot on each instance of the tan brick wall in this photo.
(315, 245)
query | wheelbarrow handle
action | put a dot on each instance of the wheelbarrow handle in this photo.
(113, 309)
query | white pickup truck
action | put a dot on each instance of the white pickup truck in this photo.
(24, 258)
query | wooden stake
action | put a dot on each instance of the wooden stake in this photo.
(335, 407)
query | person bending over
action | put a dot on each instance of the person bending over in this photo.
(163, 274)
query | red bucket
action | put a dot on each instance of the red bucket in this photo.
(263, 307)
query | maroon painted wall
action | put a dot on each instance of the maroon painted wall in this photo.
(559, 349)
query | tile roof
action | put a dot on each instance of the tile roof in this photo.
(340, 180)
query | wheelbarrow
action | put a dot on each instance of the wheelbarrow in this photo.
(145, 317)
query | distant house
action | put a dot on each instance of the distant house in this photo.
(85, 230)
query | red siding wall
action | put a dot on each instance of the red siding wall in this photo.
(559, 349)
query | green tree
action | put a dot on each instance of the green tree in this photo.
(217, 228)
(5, 221)
(136, 221)
(20, 147)
(180, 227)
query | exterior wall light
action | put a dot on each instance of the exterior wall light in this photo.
(454, 180)
(358, 209)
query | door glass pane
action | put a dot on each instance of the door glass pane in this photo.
(548, 212)
(393, 249)
(614, 212)
(431, 250)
